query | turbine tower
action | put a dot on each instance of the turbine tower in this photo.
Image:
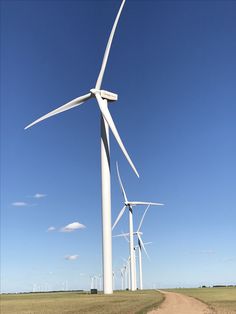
(129, 205)
(102, 97)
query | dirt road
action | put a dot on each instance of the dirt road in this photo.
(176, 303)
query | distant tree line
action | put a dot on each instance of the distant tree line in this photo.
(219, 286)
(51, 291)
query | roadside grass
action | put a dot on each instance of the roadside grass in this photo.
(138, 302)
(222, 300)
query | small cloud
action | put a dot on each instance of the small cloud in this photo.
(72, 227)
(71, 257)
(19, 204)
(51, 229)
(39, 195)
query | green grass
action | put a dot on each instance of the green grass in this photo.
(138, 302)
(222, 300)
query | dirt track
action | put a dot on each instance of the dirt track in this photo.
(176, 303)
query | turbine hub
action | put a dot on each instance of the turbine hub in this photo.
(105, 94)
(127, 204)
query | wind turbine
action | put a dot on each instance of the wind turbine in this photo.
(114, 280)
(100, 282)
(127, 273)
(102, 97)
(137, 247)
(122, 275)
(129, 205)
(92, 282)
(140, 246)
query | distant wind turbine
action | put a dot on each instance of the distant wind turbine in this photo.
(102, 97)
(127, 272)
(92, 282)
(114, 280)
(129, 205)
(140, 247)
(122, 275)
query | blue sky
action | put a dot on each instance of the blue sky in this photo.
(173, 65)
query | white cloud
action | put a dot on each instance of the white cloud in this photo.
(51, 229)
(19, 204)
(39, 195)
(72, 227)
(72, 257)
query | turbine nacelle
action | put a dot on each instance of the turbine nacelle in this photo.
(105, 94)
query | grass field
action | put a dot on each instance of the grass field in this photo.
(222, 300)
(120, 302)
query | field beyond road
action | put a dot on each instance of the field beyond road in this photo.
(220, 300)
(71, 302)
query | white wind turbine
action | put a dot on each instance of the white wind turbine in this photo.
(122, 276)
(92, 282)
(102, 97)
(127, 273)
(139, 247)
(114, 280)
(129, 205)
(100, 282)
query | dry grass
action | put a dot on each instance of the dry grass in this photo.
(222, 300)
(120, 302)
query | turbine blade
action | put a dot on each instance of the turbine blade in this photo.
(142, 244)
(107, 116)
(108, 47)
(119, 216)
(126, 236)
(73, 103)
(145, 203)
(124, 259)
(120, 235)
(121, 185)
(143, 217)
